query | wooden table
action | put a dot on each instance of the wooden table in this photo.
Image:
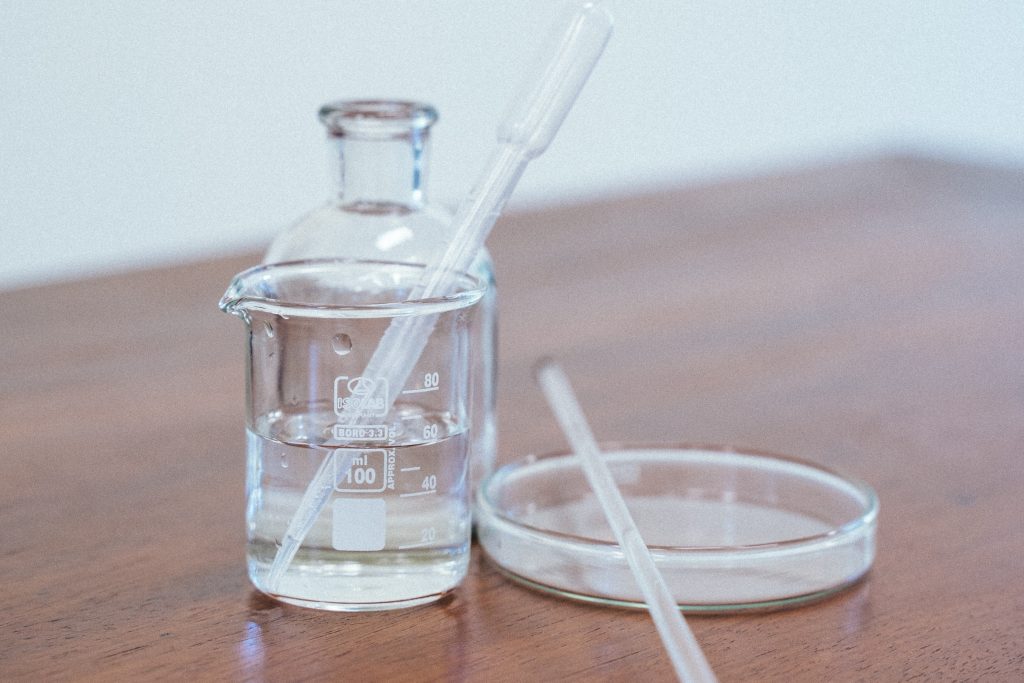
(868, 315)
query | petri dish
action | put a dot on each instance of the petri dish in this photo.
(729, 529)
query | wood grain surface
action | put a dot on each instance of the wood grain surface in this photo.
(868, 316)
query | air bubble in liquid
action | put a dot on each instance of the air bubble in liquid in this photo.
(341, 344)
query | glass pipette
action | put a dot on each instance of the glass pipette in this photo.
(533, 118)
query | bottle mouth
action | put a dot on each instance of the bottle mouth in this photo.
(376, 118)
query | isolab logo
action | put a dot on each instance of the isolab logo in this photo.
(362, 395)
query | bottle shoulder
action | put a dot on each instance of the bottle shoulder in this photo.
(330, 231)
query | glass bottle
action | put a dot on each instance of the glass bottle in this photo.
(380, 211)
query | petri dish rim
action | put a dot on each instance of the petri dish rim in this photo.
(861, 489)
(723, 608)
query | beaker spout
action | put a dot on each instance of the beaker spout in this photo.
(233, 300)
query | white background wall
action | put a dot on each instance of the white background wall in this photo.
(134, 133)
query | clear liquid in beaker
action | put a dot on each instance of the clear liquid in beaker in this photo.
(396, 531)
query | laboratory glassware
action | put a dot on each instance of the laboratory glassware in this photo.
(394, 526)
(379, 152)
(729, 529)
(569, 56)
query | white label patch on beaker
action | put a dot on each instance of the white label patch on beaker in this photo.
(358, 524)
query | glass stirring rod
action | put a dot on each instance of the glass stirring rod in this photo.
(683, 649)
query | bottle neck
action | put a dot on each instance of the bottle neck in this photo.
(381, 175)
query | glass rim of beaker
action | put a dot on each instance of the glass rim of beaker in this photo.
(235, 299)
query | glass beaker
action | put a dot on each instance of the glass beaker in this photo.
(396, 529)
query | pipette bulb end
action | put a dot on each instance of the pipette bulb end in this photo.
(599, 8)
